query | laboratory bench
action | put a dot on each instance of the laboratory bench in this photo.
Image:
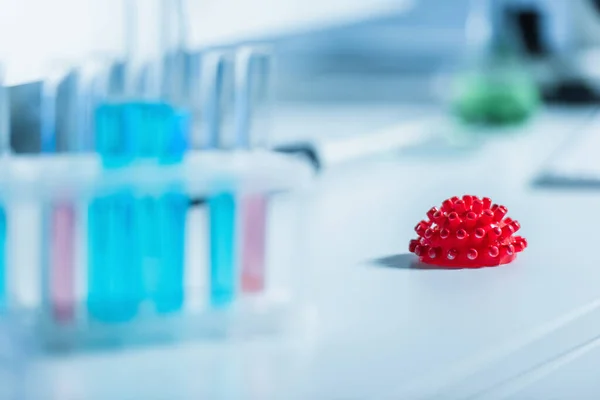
(374, 325)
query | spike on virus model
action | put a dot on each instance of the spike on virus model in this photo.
(467, 232)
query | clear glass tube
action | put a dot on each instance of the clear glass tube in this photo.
(58, 133)
(4, 115)
(253, 95)
(218, 106)
(217, 99)
(146, 121)
(4, 151)
(254, 214)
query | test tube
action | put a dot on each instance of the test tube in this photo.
(114, 277)
(4, 151)
(167, 291)
(140, 120)
(218, 99)
(4, 115)
(221, 207)
(3, 272)
(136, 242)
(223, 271)
(83, 86)
(61, 260)
(253, 96)
(253, 106)
(254, 224)
(58, 290)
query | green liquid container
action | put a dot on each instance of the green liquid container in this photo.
(495, 97)
(495, 86)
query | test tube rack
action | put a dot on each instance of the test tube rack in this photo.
(138, 278)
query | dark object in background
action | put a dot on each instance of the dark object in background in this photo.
(195, 202)
(529, 23)
(303, 150)
(565, 89)
(575, 92)
(24, 117)
(25, 112)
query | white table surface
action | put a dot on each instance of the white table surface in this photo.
(394, 333)
(571, 374)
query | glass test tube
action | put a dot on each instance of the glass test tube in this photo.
(166, 291)
(136, 242)
(253, 106)
(58, 241)
(61, 260)
(253, 211)
(4, 151)
(218, 101)
(81, 89)
(223, 271)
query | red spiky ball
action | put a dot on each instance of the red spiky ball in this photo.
(467, 232)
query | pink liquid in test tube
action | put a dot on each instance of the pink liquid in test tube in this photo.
(254, 216)
(62, 241)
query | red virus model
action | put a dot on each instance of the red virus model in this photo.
(467, 233)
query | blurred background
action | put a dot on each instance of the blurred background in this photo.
(335, 53)
(393, 106)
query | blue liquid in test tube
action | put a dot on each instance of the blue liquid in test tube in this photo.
(2, 259)
(223, 274)
(221, 206)
(114, 272)
(142, 260)
(164, 226)
(127, 132)
(141, 256)
(4, 150)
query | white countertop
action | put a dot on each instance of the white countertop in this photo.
(395, 333)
